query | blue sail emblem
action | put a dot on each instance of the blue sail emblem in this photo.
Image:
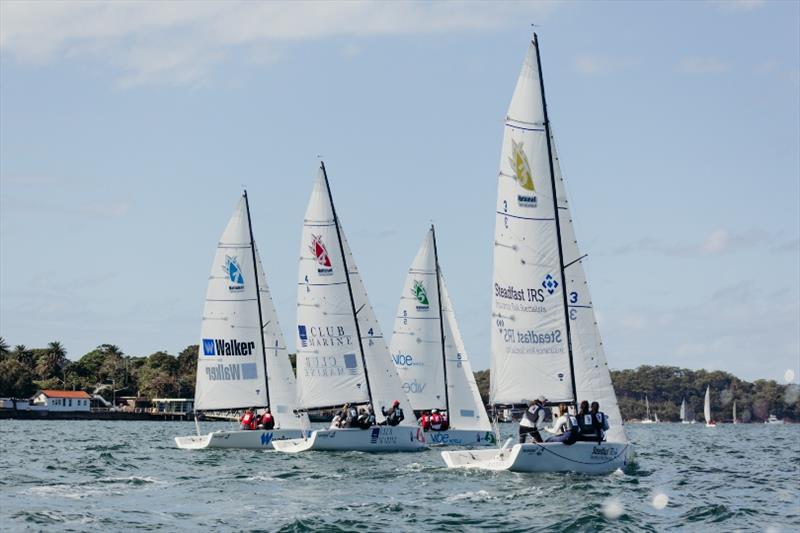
(234, 273)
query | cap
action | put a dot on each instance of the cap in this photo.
(396, 403)
(542, 399)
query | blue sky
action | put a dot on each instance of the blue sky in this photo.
(128, 129)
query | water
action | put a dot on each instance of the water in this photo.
(92, 475)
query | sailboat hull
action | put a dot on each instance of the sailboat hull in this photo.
(460, 437)
(248, 440)
(581, 457)
(374, 439)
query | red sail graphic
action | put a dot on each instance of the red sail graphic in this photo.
(320, 252)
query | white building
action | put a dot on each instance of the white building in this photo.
(62, 400)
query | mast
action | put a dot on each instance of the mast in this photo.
(347, 277)
(441, 322)
(558, 224)
(258, 296)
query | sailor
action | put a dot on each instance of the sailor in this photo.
(532, 420)
(351, 417)
(363, 419)
(267, 421)
(566, 427)
(371, 416)
(588, 430)
(445, 422)
(394, 415)
(600, 421)
(436, 420)
(425, 421)
(248, 420)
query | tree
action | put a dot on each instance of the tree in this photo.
(4, 348)
(51, 361)
(16, 380)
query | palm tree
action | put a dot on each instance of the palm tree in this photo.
(52, 362)
(4, 348)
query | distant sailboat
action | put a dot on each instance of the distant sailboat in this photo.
(707, 409)
(647, 419)
(544, 335)
(684, 420)
(430, 356)
(735, 420)
(655, 421)
(239, 364)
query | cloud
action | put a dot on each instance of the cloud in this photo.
(739, 5)
(181, 42)
(717, 242)
(702, 65)
(590, 65)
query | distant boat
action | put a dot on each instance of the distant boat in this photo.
(735, 421)
(684, 420)
(259, 374)
(647, 419)
(544, 336)
(707, 409)
(773, 420)
(655, 420)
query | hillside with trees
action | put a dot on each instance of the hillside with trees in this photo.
(108, 371)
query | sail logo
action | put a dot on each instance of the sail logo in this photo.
(329, 366)
(323, 336)
(418, 289)
(522, 173)
(373, 438)
(232, 372)
(324, 266)
(301, 330)
(234, 274)
(402, 359)
(350, 363)
(414, 387)
(550, 284)
(228, 347)
(266, 438)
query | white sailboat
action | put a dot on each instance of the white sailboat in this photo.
(710, 423)
(341, 354)
(544, 336)
(647, 419)
(240, 364)
(430, 356)
(735, 420)
(684, 419)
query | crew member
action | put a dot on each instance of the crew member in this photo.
(363, 419)
(267, 421)
(445, 422)
(425, 421)
(351, 417)
(566, 426)
(588, 430)
(371, 416)
(600, 420)
(248, 420)
(532, 420)
(436, 420)
(394, 415)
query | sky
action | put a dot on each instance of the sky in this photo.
(128, 130)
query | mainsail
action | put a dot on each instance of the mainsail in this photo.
(331, 356)
(529, 341)
(683, 410)
(427, 347)
(707, 405)
(231, 372)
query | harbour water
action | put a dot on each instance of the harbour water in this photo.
(114, 476)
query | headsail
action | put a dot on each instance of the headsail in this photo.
(230, 362)
(529, 346)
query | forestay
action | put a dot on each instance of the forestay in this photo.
(230, 362)
(529, 352)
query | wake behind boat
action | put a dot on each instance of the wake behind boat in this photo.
(431, 359)
(544, 336)
(341, 354)
(239, 363)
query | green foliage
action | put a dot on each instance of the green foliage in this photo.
(16, 381)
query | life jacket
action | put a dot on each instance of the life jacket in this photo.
(436, 421)
(363, 421)
(572, 425)
(425, 422)
(445, 423)
(587, 425)
(396, 416)
(531, 416)
(352, 417)
(248, 420)
(267, 421)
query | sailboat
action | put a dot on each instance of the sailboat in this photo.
(710, 423)
(684, 419)
(735, 420)
(242, 359)
(430, 356)
(544, 335)
(647, 419)
(341, 354)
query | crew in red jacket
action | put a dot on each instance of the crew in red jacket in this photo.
(436, 420)
(425, 421)
(266, 421)
(248, 420)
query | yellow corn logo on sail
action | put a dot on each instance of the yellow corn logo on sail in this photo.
(522, 170)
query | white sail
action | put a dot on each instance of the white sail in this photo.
(329, 366)
(647, 407)
(592, 376)
(416, 345)
(384, 381)
(734, 411)
(529, 355)
(683, 410)
(230, 361)
(466, 405)
(707, 405)
(281, 380)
